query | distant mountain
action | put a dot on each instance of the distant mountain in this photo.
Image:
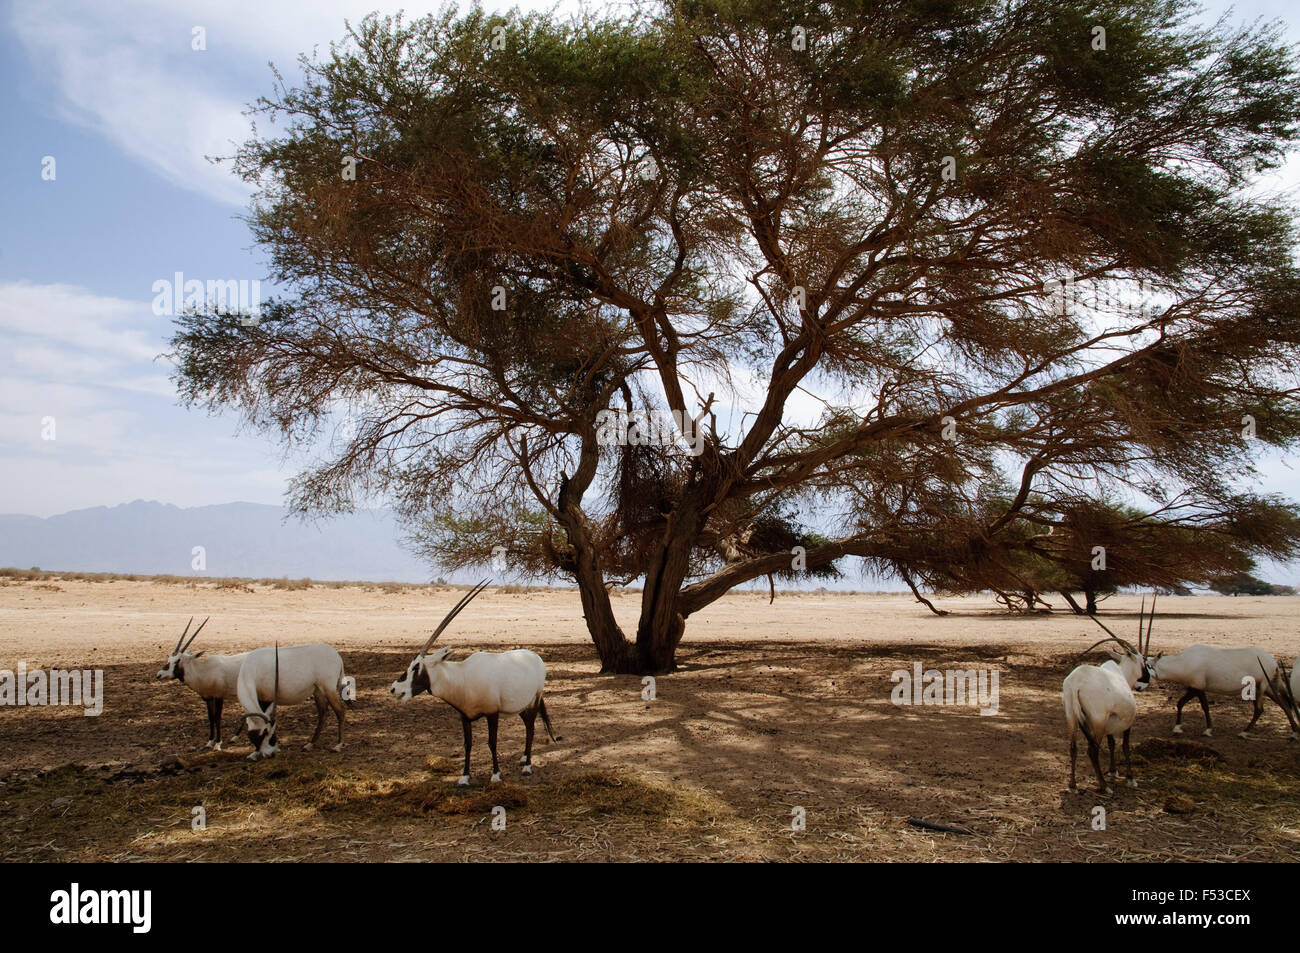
(239, 539)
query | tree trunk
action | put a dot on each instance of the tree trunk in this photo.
(662, 622)
(1071, 600)
(1090, 601)
(617, 654)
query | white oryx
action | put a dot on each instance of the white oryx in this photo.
(1099, 701)
(1206, 669)
(213, 678)
(289, 676)
(487, 684)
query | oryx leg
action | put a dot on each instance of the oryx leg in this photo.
(209, 703)
(529, 715)
(320, 721)
(336, 702)
(1074, 756)
(217, 705)
(1178, 719)
(1205, 710)
(1259, 710)
(468, 728)
(1128, 761)
(1094, 754)
(492, 744)
(1110, 740)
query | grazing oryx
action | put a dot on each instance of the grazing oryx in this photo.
(1099, 702)
(213, 678)
(309, 671)
(485, 684)
(1285, 685)
(1203, 669)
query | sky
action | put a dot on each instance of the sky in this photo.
(128, 110)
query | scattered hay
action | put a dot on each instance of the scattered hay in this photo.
(1179, 804)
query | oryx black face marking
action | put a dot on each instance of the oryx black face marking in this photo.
(419, 680)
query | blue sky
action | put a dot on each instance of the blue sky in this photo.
(116, 94)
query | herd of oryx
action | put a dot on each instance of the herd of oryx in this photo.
(1098, 699)
(485, 685)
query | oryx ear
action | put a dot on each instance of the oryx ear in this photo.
(1114, 656)
(438, 656)
(198, 653)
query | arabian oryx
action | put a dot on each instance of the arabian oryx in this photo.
(214, 679)
(485, 684)
(1203, 669)
(1099, 702)
(289, 676)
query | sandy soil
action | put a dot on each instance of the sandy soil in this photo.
(777, 711)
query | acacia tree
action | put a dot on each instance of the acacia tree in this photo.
(1090, 546)
(494, 232)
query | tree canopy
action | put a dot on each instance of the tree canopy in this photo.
(721, 289)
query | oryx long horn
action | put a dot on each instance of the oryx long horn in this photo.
(1113, 637)
(1141, 615)
(452, 614)
(1151, 620)
(176, 651)
(196, 633)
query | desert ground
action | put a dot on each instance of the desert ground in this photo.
(777, 712)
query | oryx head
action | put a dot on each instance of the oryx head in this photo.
(175, 667)
(1132, 661)
(1280, 684)
(415, 679)
(261, 725)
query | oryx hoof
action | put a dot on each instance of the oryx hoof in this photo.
(496, 776)
(463, 781)
(254, 756)
(1207, 733)
(337, 747)
(308, 746)
(1072, 789)
(526, 769)
(523, 760)
(208, 744)
(1132, 782)
(1178, 729)
(216, 746)
(1243, 736)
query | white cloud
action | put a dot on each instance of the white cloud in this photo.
(74, 318)
(128, 72)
